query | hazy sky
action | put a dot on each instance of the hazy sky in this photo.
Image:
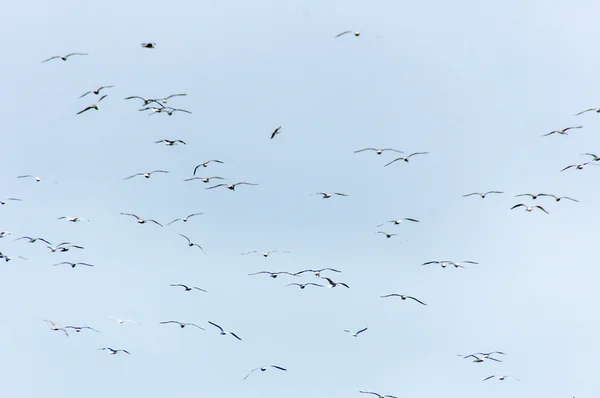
(475, 84)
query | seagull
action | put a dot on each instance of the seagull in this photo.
(387, 234)
(141, 220)
(273, 274)
(403, 297)
(579, 166)
(121, 321)
(334, 284)
(562, 131)
(205, 164)
(147, 101)
(190, 244)
(275, 132)
(204, 179)
(187, 288)
(527, 208)
(355, 334)
(406, 158)
(500, 377)
(55, 327)
(94, 106)
(595, 157)
(378, 151)
(113, 352)
(37, 179)
(378, 395)
(182, 324)
(265, 254)
(303, 285)
(558, 198)
(80, 328)
(168, 110)
(185, 219)
(97, 92)
(73, 265)
(8, 258)
(149, 45)
(3, 202)
(146, 175)
(224, 332)
(483, 195)
(63, 57)
(33, 240)
(164, 100)
(446, 263)
(71, 219)
(479, 360)
(317, 272)
(262, 369)
(399, 221)
(597, 110)
(170, 142)
(486, 355)
(61, 248)
(348, 31)
(4, 234)
(532, 196)
(231, 186)
(329, 195)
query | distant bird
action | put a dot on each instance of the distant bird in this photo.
(205, 164)
(387, 234)
(64, 247)
(378, 395)
(403, 297)
(224, 332)
(562, 131)
(529, 209)
(97, 91)
(204, 179)
(596, 158)
(149, 45)
(187, 288)
(483, 195)
(146, 175)
(231, 186)
(141, 220)
(355, 334)
(446, 263)
(122, 321)
(4, 201)
(37, 179)
(185, 219)
(262, 369)
(275, 132)
(479, 360)
(94, 106)
(55, 327)
(33, 240)
(273, 274)
(63, 57)
(303, 285)
(406, 158)
(329, 195)
(73, 265)
(72, 219)
(4, 234)
(265, 254)
(597, 110)
(558, 198)
(580, 166)
(348, 31)
(182, 324)
(7, 258)
(500, 377)
(113, 352)
(169, 111)
(398, 221)
(147, 101)
(170, 142)
(317, 272)
(484, 355)
(378, 151)
(164, 100)
(190, 243)
(331, 284)
(80, 328)
(532, 196)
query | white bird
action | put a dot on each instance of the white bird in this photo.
(185, 219)
(33, 240)
(170, 142)
(303, 285)
(147, 101)
(97, 91)
(406, 158)
(580, 166)
(141, 220)
(4, 234)
(331, 284)
(4, 201)
(378, 395)
(37, 179)
(445, 263)
(275, 132)
(205, 164)
(190, 243)
(146, 175)
(182, 324)
(72, 219)
(317, 272)
(346, 32)
(231, 186)
(329, 195)
(63, 247)
(204, 179)
(387, 234)
(224, 332)
(73, 265)
(262, 369)
(378, 151)
(273, 274)
(500, 377)
(113, 352)
(562, 131)
(355, 334)
(483, 195)
(55, 327)
(149, 45)
(403, 297)
(187, 288)
(476, 359)
(399, 221)
(78, 329)
(164, 100)
(529, 209)
(122, 321)
(63, 57)
(265, 254)
(95, 106)
(169, 111)
(558, 198)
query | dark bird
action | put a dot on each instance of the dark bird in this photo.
(185, 219)
(275, 132)
(558, 198)
(476, 359)
(403, 297)
(378, 151)
(303, 285)
(331, 284)
(170, 142)
(73, 265)
(113, 352)
(562, 131)
(224, 332)
(231, 186)
(94, 106)
(149, 45)
(205, 164)
(273, 274)
(80, 328)
(262, 369)
(182, 324)
(529, 209)
(346, 32)
(190, 243)
(146, 175)
(483, 195)
(406, 158)
(187, 288)
(141, 220)
(355, 334)
(63, 57)
(97, 91)
(7, 258)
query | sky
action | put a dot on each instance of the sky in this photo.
(475, 84)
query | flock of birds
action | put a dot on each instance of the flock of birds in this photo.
(322, 277)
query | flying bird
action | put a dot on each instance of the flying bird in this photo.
(329, 195)
(446, 263)
(97, 91)
(224, 332)
(190, 243)
(231, 186)
(346, 32)
(113, 352)
(275, 132)
(204, 179)
(64, 247)
(185, 219)
(596, 158)
(170, 142)
(272, 274)
(529, 209)
(597, 110)
(147, 101)
(562, 131)
(262, 369)
(8, 258)
(317, 272)
(500, 377)
(73, 265)
(331, 284)
(164, 100)
(122, 321)
(483, 195)
(4, 201)
(72, 219)
(182, 324)
(403, 297)
(378, 395)
(37, 179)
(265, 254)
(476, 359)
(187, 288)
(94, 106)
(579, 166)
(558, 198)
(484, 355)
(169, 111)
(33, 240)
(387, 234)
(4, 234)
(55, 327)
(406, 158)
(378, 151)
(149, 45)
(63, 57)
(205, 164)
(303, 285)
(146, 175)
(141, 220)
(80, 328)
(355, 334)
(399, 221)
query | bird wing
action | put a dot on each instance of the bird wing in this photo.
(129, 214)
(489, 377)
(251, 373)
(186, 238)
(542, 209)
(83, 95)
(587, 110)
(362, 330)
(177, 219)
(101, 98)
(343, 284)
(178, 285)
(328, 269)
(418, 153)
(391, 295)
(392, 161)
(68, 55)
(175, 95)
(568, 167)
(135, 175)
(519, 205)
(292, 284)
(46, 60)
(158, 171)
(314, 284)
(365, 149)
(197, 288)
(574, 127)
(566, 197)
(44, 240)
(369, 392)
(165, 322)
(494, 192)
(155, 222)
(544, 135)
(545, 194)
(125, 351)
(86, 264)
(279, 367)
(136, 96)
(214, 324)
(235, 335)
(417, 300)
(254, 251)
(471, 194)
(343, 33)
(525, 194)
(340, 194)
(411, 219)
(244, 183)
(194, 214)
(193, 324)
(392, 149)
(86, 109)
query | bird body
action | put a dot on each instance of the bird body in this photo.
(113, 352)
(275, 132)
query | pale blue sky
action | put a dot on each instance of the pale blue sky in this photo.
(473, 83)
